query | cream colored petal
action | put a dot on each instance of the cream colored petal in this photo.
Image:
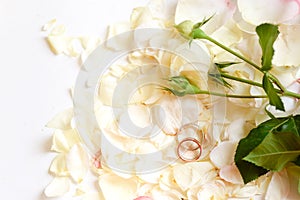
(58, 166)
(187, 175)
(157, 194)
(294, 177)
(89, 43)
(167, 114)
(139, 115)
(167, 181)
(288, 41)
(236, 130)
(212, 190)
(114, 187)
(228, 34)
(141, 17)
(284, 184)
(49, 25)
(93, 196)
(58, 30)
(279, 186)
(58, 187)
(77, 162)
(62, 141)
(151, 177)
(59, 142)
(223, 154)
(257, 12)
(58, 44)
(118, 28)
(231, 174)
(62, 120)
(72, 137)
(197, 10)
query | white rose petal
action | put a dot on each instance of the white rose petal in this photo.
(49, 25)
(139, 115)
(197, 10)
(114, 187)
(62, 120)
(268, 11)
(62, 141)
(186, 175)
(284, 184)
(230, 173)
(247, 191)
(93, 196)
(77, 162)
(58, 30)
(211, 190)
(236, 130)
(158, 194)
(166, 114)
(58, 187)
(288, 41)
(279, 186)
(58, 165)
(223, 154)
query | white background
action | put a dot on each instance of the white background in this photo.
(34, 83)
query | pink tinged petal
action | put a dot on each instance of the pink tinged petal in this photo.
(223, 154)
(230, 173)
(268, 11)
(143, 198)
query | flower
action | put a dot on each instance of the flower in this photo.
(214, 176)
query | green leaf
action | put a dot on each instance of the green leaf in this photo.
(248, 170)
(267, 34)
(216, 77)
(275, 151)
(274, 98)
(225, 64)
(297, 162)
(204, 21)
(299, 186)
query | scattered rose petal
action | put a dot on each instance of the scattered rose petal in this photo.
(223, 154)
(77, 162)
(197, 10)
(49, 25)
(230, 173)
(62, 120)
(114, 187)
(257, 12)
(288, 41)
(58, 165)
(58, 187)
(62, 141)
(186, 175)
(143, 198)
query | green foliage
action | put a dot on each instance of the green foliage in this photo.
(269, 146)
(267, 34)
(274, 98)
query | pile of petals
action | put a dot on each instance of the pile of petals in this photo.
(215, 175)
